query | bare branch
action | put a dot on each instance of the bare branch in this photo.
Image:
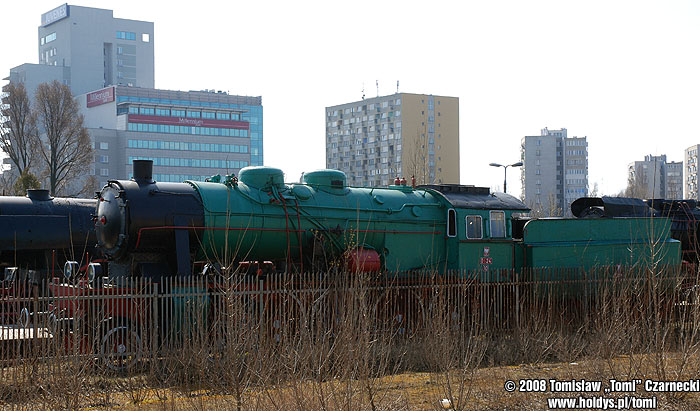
(65, 151)
(17, 127)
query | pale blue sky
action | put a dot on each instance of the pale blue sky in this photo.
(623, 73)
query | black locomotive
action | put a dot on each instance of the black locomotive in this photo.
(684, 216)
(40, 233)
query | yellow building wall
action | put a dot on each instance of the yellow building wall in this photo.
(414, 132)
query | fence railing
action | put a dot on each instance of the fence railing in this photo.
(134, 324)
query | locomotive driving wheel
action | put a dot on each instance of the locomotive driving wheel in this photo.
(24, 317)
(120, 348)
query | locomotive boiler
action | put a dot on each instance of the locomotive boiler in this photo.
(39, 232)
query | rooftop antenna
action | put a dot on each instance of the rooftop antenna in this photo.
(377, 81)
(363, 90)
(397, 87)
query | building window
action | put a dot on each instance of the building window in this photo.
(474, 227)
(104, 159)
(145, 37)
(187, 146)
(189, 162)
(104, 172)
(104, 146)
(126, 35)
(194, 114)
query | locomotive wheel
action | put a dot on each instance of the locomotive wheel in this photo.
(120, 348)
(52, 323)
(23, 318)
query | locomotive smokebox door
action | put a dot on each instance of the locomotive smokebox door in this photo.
(110, 218)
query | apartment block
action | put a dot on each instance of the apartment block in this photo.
(691, 172)
(655, 177)
(554, 171)
(375, 140)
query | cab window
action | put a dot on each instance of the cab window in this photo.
(474, 227)
(497, 224)
(451, 223)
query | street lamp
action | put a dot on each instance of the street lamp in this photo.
(505, 170)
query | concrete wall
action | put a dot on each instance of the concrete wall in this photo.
(539, 173)
(82, 40)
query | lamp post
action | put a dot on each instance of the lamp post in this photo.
(505, 171)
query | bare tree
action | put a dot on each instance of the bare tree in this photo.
(635, 185)
(7, 183)
(65, 149)
(18, 127)
(548, 208)
(418, 158)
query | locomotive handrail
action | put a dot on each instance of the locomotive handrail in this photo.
(167, 227)
(225, 214)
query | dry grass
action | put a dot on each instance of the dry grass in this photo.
(405, 391)
(350, 344)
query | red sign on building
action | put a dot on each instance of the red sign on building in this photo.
(99, 97)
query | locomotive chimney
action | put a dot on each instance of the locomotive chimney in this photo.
(39, 195)
(143, 171)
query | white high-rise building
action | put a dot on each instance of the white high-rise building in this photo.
(691, 181)
(88, 49)
(654, 177)
(554, 171)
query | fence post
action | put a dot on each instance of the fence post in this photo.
(517, 298)
(260, 305)
(34, 340)
(155, 324)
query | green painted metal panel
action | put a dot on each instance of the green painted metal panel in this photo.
(486, 256)
(589, 243)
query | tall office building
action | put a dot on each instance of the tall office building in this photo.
(377, 139)
(108, 63)
(691, 181)
(654, 177)
(188, 135)
(554, 171)
(87, 49)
